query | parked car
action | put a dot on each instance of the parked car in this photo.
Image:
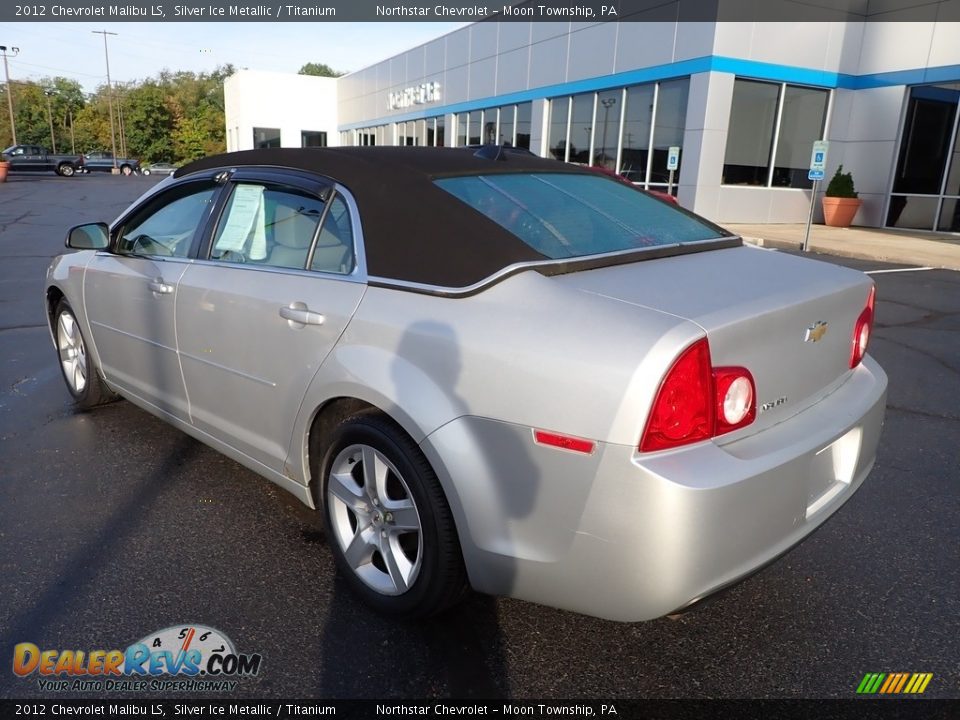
(496, 371)
(36, 158)
(627, 177)
(102, 161)
(159, 168)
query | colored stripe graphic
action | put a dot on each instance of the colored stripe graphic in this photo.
(894, 683)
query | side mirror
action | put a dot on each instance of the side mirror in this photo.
(91, 236)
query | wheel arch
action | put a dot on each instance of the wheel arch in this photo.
(53, 297)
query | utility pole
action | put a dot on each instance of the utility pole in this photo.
(113, 133)
(50, 92)
(6, 71)
(73, 141)
(120, 125)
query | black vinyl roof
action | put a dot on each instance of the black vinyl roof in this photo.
(413, 230)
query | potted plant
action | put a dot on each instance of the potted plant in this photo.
(840, 202)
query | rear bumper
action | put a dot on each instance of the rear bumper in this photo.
(632, 537)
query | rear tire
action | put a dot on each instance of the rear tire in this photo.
(126, 170)
(146, 172)
(388, 522)
(76, 365)
(66, 170)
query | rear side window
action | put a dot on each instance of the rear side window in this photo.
(567, 215)
(267, 225)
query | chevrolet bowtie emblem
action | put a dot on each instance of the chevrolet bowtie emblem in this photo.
(815, 332)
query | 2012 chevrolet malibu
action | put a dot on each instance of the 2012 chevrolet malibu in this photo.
(484, 369)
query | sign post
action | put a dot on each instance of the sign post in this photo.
(673, 162)
(818, 163)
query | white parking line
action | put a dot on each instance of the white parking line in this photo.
(880, 272)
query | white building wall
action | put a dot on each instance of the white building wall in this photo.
(491, 64)
(293, 103)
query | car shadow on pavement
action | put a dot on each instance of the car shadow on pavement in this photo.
(364, 655)
(91, 558)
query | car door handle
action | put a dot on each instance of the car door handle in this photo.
(298, 312)
(160, 287)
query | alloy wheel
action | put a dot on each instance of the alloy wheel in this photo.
(73, 353)
(375, 519)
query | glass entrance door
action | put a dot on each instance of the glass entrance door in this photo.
(926, 187)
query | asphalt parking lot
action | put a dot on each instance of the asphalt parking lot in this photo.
(114, 525)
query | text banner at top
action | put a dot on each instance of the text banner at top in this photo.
(474, 11)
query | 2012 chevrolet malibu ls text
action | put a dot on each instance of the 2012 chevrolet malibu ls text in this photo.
(484, 369)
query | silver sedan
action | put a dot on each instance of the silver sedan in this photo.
(484, 369)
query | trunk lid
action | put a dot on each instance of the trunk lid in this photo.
(756, 307)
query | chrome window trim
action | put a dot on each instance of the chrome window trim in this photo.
(650, 253)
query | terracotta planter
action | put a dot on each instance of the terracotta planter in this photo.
(4, 169)
(839, 212)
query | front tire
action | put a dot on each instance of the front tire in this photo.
(146, 172)
(66, 170)
(78, 369)
(126, 170)
(390, 528)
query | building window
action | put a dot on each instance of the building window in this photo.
(440, 140)
(755, 136)
(608, 121)
(635, 138)
(505, 136)
(926, 186)
(581, 127)
(523, 125)
(557, 137)
(266, 137)
(462, 129)
(802, 124)
(313, 138)
(617, 128)
(475, 128)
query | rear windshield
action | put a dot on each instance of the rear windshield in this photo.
(566, 215)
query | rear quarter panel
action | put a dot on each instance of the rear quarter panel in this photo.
(526, 351)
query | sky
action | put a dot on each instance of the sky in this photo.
(141, 50)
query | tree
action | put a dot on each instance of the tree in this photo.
(319, 69)
(147, 123)
(176, 116)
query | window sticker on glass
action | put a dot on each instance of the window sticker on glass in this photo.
(244, 230)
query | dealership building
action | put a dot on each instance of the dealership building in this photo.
(743, 101)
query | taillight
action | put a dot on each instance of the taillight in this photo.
(697, 401)
(735, 395)
(862, 330)
(683, 409)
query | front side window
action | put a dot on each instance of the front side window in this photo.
(165, 227)
(571, 215)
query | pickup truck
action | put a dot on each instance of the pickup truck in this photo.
(102, 161)
(35, 158)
